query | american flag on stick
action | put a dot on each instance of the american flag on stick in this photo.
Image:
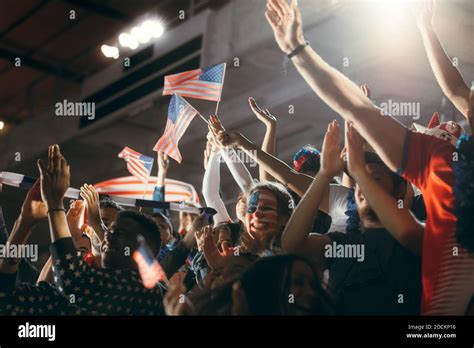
(206, 83)
(180, 115)
(138, 165)
(149, 268)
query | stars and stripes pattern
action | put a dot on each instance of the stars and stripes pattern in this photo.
(149, 268)
(138, 165)
(180, 115)
(129, 186)
(206, 83)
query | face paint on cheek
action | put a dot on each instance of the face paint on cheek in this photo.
(259, 217)
(253, 203)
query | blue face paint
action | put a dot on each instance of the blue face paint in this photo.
(253, 203)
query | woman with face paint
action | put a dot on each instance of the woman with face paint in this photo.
(269, 207)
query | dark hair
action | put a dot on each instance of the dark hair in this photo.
(150, 229)
(266, 286)
(108, 203)
(285, 202)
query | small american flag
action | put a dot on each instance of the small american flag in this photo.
(137, 164)
(180, 115)
(204, 83)
(149, 268)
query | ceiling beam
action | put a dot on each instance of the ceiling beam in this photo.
(101, 10)
(40, 66)
(24, 18)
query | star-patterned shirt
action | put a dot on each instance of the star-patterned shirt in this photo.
(28, 299)
(106, 291)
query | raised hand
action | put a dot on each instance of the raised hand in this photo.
(426, 16)
(331, 155)
(74, 218)
(55, 178)
(214, 258)
(262, 114)
(216, 124)
(33, 208)
(163, 162)
(90, 195)
(286, 23)
(229, 138)
(355, 152)
(366, 90)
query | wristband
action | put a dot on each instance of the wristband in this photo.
(59, 209)
(298, 50)
(292, 54)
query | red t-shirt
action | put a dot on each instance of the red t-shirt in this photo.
(448, 281)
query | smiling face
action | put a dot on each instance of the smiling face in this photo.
(262, 219)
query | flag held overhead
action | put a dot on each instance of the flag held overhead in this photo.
(206, 83)
(180, 115)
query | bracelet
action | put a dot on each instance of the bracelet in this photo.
(298, 50)
(59, 209)
(290, 55)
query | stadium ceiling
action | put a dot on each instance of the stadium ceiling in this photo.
(56, 52)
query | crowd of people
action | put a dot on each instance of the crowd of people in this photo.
(381, 225)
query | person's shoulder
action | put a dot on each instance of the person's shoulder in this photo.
(430, 141)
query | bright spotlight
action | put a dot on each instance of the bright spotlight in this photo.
(141, 34)
(2, 125)
(153, 28)
(110, 51)
(127, 40)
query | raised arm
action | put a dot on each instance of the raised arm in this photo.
(33, 211)
(211, 185)
(269, 141)
(297, 182)
(239, 171)
(399, 221)
(159, 190)
(385, 134)
(448, 76)
(297, 236)
(55, 178)
(91, 197)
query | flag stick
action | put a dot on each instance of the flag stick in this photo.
(223, 79)
(202, 117)
(144, 191)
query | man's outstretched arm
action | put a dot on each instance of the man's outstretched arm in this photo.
(385, 134)
(448, 76)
